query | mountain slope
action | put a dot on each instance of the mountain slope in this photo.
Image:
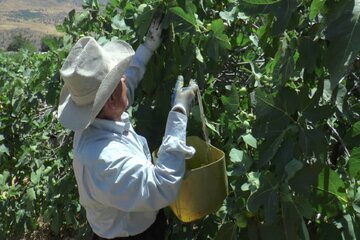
(32, 18)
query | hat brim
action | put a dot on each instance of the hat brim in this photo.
(75, 117)
(71, 115)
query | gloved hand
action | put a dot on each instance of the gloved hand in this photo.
(153, 37)
(183, 96)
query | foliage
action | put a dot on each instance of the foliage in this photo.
(20, 42)
(36, 180)
(49, 43)
(280, 83)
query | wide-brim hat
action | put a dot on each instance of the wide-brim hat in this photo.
(91, 73)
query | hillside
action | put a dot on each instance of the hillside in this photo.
(32, 19)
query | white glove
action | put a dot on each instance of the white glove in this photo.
(183, 96)
(153, 37)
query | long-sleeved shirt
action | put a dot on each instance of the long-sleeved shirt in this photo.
(119, 187)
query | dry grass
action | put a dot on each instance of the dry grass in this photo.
(32, 18)
(43, 5)
(46, 29)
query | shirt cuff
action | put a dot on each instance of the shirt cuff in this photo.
(179, 107)
(143, 53)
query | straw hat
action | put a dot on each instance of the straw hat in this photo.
(91, 73)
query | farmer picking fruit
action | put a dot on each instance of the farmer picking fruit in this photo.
(122, 191)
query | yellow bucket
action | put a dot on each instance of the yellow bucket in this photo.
(204, 186)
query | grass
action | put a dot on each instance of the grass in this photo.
(15, 56)
(25, 15)
(31, 26)
(32, 18)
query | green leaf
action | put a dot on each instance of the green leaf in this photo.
(81, 18)
(242, 40)
(236, 155)
(217, 26)
(280, 12)
(293, 221)
(240, 220)
(352, 137)
(276, 112)
(3, 178)
(227, 231)
(56, 221)
(356, 207)
(304, 230)
(30, 193)
(48, 213)
(288, 100)
(231, 100)
(329, 195)
(199, 56)
(309, 51)
(34, 177)
(92, 4)
(318, 113)
(329, 231)
(143, 21)
(304, 206)
(312, 142)
(284, 13)
(348, 225)
(250, 140)
(343, 34)
(52, 88)
(213, 48)
(228, 16)
(71, 15)
(315, 8)
(305, 178)
(284, 63)
(20, 214)
(261, 1)
(212, 127)
(119, 23)
(263, 103)
(242, 162)
(188, 17)
(271, 149)
(340, 92)
(70, 218)
(354, 162)
(50, 42)
(355, 129)
(292, 168)
(4, 149)
(269, 232)
(267, 196)
(330, 183)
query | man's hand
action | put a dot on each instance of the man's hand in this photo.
(153, 37)
(183, 96)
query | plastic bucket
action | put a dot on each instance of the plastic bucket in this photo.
(204, 186)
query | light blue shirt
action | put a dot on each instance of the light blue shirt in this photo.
(119, 187)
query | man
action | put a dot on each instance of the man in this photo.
(120, 189)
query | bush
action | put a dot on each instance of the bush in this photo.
(20, 42)
(280, 84)
(50, 43)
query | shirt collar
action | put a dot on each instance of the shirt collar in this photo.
(121, 126)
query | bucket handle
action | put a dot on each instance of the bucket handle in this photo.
(204, 128)
(202, 116)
